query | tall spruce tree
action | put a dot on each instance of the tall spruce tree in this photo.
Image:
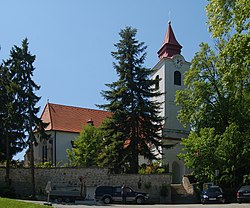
(12, 135)
(134, 128)
(21, 62)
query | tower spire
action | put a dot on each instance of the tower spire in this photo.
(170, 45)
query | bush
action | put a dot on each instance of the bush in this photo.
(153, 168)
(45, 165)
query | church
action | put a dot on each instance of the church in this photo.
(66, 122)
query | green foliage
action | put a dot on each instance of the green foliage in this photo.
(86, 147)
(18, 90)
(112, 155)
(226, 17)
(11, 114)
(134, 127)
(216, 100)
(200, 148)
(153, 168)
(218, 152)
(45, 165)
(234, 155)
(18, 109)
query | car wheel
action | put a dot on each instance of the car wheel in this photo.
(202, 201)
(67, 200)
(239, 201)
(140, 200)
(223, 201)
(106, 200)
(59, 199)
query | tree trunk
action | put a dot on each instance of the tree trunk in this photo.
(135, 155)
(32, 165)
(32, 168)
(134, 163)
(7, 177)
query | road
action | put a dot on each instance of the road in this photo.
(158, 206)
(93, 204)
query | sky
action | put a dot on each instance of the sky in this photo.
(73, 40)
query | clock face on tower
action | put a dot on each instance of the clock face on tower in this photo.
(178, 61)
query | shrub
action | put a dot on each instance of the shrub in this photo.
(44, 165)
(153, 168)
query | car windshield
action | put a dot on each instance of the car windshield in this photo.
(244, 188)
(214, 190)
(117, 189)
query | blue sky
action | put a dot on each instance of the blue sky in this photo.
(73, 39)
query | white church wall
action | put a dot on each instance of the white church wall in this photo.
(172, 110)
(176, 165)
(161, 74)
(172, 126)
(63, 142)
(56, 151)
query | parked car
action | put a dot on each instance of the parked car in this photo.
(243, 194)
(109, 194)
(212, 194)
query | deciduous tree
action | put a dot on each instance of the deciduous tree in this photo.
(216, 101)
(86, 147)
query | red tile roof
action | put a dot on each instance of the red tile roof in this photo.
(69, 118)
(170, 37)
(170, 45)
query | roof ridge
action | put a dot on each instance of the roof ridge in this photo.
(51, 121)
(71, 118)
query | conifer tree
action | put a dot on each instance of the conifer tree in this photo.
(21, 62)
(12, 135)
(134, 128)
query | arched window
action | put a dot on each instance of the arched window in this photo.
(157, 84)
(177, 78)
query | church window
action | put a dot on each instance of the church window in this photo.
(157, 84)
(177, 78)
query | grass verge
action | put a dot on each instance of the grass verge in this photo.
(12, 203)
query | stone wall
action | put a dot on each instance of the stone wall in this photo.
(66, 178)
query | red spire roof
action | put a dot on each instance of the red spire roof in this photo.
(170, 45)
(71, 119)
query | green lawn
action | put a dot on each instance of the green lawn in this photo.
(12, 203)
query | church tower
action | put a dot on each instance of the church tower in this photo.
(170, 71)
